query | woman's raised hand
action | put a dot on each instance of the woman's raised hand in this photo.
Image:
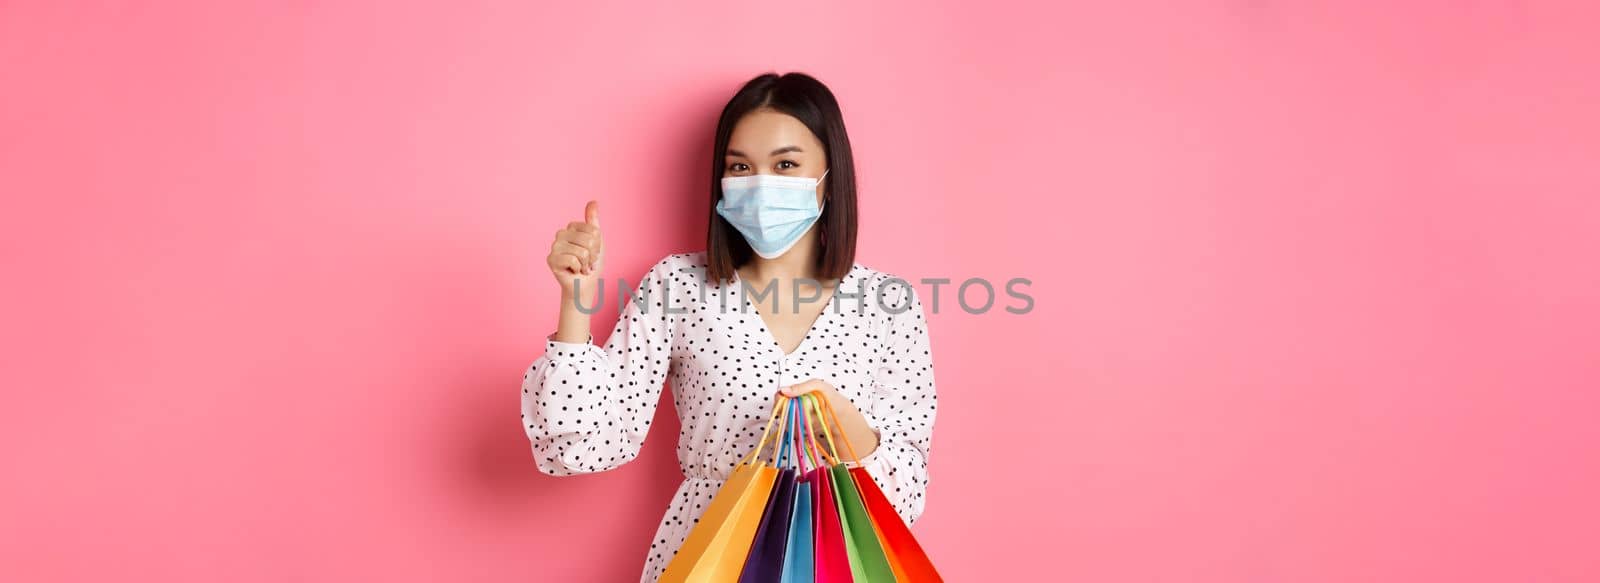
(578, 253)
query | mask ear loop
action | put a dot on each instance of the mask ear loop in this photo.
(822, 229)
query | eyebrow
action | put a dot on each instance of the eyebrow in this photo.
(774, 152)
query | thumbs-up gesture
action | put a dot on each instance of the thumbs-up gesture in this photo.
(577, 253)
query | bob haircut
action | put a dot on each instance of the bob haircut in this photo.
(803, 97)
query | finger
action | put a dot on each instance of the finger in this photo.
(592, 246)
(582, 264)
(570, 261)
(583, 227)
(577, 251)
(589, 256)
(578, 247)
(585, 239)
(571, 248)
(591, 213)
(801, 388)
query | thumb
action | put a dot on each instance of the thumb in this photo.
(591, 213)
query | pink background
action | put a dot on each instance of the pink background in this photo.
(1318, 295)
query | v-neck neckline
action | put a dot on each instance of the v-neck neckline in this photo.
(772, 339)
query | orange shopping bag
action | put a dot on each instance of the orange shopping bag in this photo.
(716, 547)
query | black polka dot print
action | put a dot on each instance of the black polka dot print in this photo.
(588, 409)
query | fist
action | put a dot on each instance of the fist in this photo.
(577, 253)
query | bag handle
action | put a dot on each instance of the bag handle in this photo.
(829, 455)
(808, 436)
(782, 456)
(805, 437)
(776, 408)
(834, 418)
(805, 457)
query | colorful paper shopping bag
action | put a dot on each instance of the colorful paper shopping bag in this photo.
(764, 564)
(910, 563)
(831, 558)
(868, 564)
(799, 560)
(799, 564)
(906, 558)
(715, 549)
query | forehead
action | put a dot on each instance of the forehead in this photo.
(764, 130)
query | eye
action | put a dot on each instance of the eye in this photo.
(738, 167)
(787, 164)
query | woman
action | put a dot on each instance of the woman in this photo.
(775, 304)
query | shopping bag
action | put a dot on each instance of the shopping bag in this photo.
(906, 558)
(900, 573)
(765, 562)
(832, 562)
(868, 564)
(716, 548)
(799, 563)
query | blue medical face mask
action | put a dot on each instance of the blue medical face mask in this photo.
(771, 211)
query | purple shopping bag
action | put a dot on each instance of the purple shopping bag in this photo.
(764, 564)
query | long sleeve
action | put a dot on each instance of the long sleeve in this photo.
(903, 413)
(588, 409)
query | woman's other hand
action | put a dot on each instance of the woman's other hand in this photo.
(576, 257)
(578, 253)
(852, 424)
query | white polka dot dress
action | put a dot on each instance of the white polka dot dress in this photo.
(588, 409)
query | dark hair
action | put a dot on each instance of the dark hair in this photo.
(803, 97)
